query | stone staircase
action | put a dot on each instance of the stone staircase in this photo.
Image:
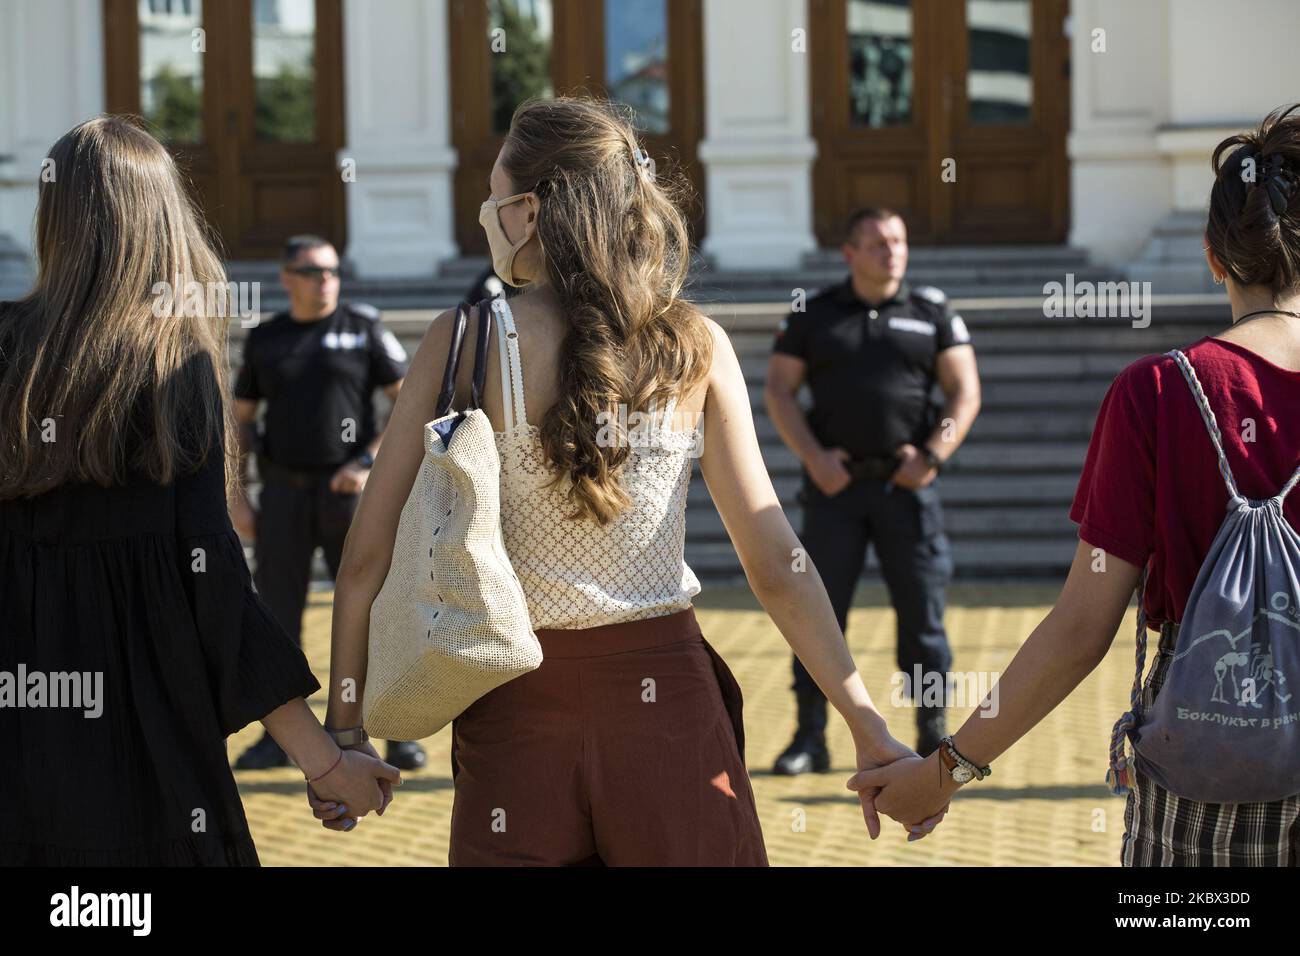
(962, 271)
(1008, 490)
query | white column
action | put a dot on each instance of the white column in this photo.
(51, 79)
(398, 114)
(757, 151)
(1119, 181)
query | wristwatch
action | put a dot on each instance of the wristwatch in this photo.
(350, 737)
(959, 768)
(931, 458)
(366, 460)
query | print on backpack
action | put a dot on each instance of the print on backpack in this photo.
(1224, 727)
(1261, 675)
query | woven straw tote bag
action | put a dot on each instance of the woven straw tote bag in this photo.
(451, 621)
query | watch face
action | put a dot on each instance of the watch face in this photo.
(962, 775)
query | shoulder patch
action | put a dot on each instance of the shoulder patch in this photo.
(364, 310)
(930, 294)
(392, 347)
(960, 334)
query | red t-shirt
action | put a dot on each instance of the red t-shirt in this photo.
(1151, 485)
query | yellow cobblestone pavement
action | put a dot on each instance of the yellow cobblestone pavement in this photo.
(1046, 803)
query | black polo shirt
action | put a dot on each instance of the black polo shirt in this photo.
(871, 366)
(314, 377)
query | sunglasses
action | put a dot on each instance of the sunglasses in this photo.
(315, 272)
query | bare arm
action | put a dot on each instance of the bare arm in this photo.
(1062, 650)
(960, 381)
(368, 551)
(391, 390)
(788, 586)
(825, 466)
(785, 374)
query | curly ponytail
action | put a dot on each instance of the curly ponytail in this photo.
(617, 252)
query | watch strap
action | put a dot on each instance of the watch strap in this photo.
(349, 737)
(948, 752)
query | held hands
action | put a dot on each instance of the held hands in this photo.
(913, 790)
(882, 757)
(360, 783)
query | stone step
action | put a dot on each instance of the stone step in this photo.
(995, 559)
(975, 455)
(993, 254)
(1081, 395)
(956, 490)
(1045, 521)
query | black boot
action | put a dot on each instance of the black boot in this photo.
(807, 752)
(263, 755)
(929, 730)
(405, 755)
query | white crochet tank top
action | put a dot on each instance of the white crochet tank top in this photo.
(579, 574)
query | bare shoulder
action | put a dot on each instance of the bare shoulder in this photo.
(724, 363)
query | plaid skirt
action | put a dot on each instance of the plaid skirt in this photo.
(1161, 829)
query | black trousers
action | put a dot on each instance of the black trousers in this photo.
(293, 521)
(906, 528)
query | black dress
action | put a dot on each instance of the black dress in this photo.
(146, 584)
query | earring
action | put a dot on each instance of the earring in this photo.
(1218, 280)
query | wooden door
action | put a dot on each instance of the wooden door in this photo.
(646, 53)
(248, 95)
(953, 112)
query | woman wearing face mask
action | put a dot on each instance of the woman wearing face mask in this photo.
(626, 745)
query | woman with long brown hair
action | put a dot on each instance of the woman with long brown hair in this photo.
(133, 642)
(626, 745)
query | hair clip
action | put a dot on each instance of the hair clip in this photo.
(1279, 182)
(644, 161)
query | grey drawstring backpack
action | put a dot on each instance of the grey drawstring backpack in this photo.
(1225, 727)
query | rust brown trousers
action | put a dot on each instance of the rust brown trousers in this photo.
(625, 748)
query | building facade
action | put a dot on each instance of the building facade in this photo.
(376, 122)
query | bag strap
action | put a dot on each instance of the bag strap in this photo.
(448, 393)
(1207, 414)
(480, 356)
(1281, 495)
(512, 370)
(1118, 777)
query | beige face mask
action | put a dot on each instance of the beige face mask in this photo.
(503, 251)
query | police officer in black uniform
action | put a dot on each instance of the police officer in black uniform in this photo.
(871, 350)
(316, 366)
